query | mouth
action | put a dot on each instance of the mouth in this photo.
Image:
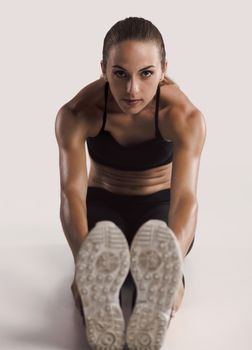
(131, 102)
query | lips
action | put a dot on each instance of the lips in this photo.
(129, 100)
(132, 102)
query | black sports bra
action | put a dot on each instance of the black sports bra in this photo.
(104, 149)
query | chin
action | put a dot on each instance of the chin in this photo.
(131, 109)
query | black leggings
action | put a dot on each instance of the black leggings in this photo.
(128, 212)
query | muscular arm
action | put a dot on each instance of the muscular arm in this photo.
(190, 134)
(70, 133)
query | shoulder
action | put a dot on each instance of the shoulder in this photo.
(84, 109)
(182, 122)
(188, 129)
(89, 96)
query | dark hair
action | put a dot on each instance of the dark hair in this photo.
(134, 28)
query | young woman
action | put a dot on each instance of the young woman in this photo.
(144, 138)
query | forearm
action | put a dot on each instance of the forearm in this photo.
(182, 220)
(73, 215)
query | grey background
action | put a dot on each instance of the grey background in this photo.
(52, 49)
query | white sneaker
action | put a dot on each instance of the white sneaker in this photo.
(156, 267)
(102, 265)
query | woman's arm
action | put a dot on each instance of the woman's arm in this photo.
(189, 136)
(70, 131)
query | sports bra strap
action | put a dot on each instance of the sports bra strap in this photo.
(105, 107)
(157, 132)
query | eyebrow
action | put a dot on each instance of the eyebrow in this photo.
(117, 66)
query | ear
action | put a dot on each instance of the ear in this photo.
(165, 69)
(103, 68)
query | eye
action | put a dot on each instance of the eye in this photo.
(120, 73)
(148, 71)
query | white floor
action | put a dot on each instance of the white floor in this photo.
(38, 312)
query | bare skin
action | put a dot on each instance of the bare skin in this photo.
(179, 121)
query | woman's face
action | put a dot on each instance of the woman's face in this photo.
(133, 72)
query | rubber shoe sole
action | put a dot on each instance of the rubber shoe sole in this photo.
(156, 268)
(102, 265)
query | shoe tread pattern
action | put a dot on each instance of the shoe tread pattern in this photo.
(102, 266)
(156, 268)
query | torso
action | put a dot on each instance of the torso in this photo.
(127, 130)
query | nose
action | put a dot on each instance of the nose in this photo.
(132, 88)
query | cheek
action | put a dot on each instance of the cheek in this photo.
(116, 89)
(149, 96)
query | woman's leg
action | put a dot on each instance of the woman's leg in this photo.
(100, 206)
(154, 206)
